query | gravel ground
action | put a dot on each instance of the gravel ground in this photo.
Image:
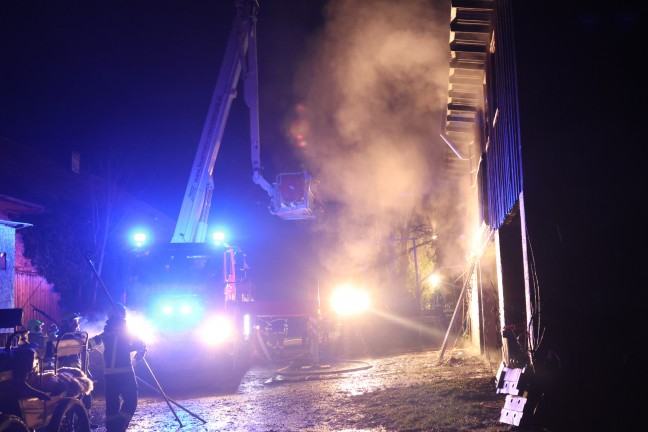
(403, 391)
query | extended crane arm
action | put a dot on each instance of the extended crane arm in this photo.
(191, 225)
(240, 58)
(251, 95)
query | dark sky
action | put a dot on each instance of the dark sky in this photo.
(134, 79)
(137, 78)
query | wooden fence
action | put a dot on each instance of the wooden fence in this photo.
(33, 290)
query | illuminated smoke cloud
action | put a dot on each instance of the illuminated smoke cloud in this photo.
(374, 89)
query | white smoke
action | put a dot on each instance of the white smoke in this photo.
(375, 88)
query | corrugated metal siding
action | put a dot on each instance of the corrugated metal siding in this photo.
(504, 164)
(33, 290)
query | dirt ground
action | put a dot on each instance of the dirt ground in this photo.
(401, 391)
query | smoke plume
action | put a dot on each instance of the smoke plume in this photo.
(374, 90)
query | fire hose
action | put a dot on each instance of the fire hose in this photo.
(171, 400)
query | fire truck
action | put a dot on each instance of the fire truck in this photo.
(191, 289)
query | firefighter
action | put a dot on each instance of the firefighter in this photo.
(36, 335)
(42, 342)
(119, 376)
(70, 323)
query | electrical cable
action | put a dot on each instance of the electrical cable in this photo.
(539, 332)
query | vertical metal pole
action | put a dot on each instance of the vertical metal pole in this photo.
(313, 324)
(418, 291)
(456, 314)
(313, 327)
(319, 310)
(416, 273)
(453, 320)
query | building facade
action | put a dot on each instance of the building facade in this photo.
(541, 128)
(20, 284)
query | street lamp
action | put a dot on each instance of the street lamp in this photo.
(435, 280)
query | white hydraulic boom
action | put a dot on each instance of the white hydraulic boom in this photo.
(290, 196)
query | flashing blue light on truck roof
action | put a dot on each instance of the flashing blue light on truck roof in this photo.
(140, 237)
(218, 237)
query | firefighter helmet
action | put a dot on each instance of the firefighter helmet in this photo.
(119, 311)
(70, 322)
(34, 324)
(71, 316)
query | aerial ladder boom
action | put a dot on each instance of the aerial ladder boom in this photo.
(251, 95)
(290, 196)
(191, 225)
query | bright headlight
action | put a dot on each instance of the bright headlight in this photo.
(347, 300)
(215, 330)
(177, 311)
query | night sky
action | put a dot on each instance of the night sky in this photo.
(132, 81)
(135, 79)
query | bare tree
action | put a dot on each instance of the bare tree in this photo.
(112, 173)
